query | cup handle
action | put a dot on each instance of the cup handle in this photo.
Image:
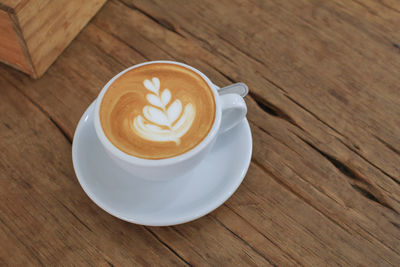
(234, 109)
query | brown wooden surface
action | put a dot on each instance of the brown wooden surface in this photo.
(10, 48)
(43, 29)
(11, 4)
(323, 187)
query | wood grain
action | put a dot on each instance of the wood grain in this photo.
(10, 49)
(10, 4)
(324, 184)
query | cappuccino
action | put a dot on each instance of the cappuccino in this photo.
(157, 111)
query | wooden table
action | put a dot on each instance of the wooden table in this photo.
(323, 187)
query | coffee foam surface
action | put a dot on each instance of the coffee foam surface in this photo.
(157, 111)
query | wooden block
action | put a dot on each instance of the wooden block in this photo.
(33, 33)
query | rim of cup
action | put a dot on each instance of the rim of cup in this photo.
(157, 162)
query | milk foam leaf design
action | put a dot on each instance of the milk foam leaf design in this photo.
(160, 121)
(153, 85)
(153, 127)
(154, 100)
(156, 83)
(165, 96)
(187, 115)
(174, 110)
(155, 116)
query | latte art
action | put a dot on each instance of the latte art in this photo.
(157, 111)
(163, 124)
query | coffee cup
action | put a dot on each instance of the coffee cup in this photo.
(159, 119)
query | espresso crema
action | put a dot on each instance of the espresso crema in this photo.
(157, 111)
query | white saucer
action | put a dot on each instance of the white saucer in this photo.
(172, 202)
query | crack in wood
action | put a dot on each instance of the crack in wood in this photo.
(128, 45)
(222, 73)
(263, 235)
(370, 234)
(58, 125)
(189, 241)
(389, 146)
(29, 249)
(367, 8)
(364, 192)
(339, 165)
(109, 263)
(7, 126)
(202, 40)
(196, 37)
(21, 182)
(313, 114)
(244, 241)
(272, 136)
(314, 187)
(240, 50)
(388, 7)
(120, 40)
(267, 106)
(161, 21)
(372, 164)
(167, 246)
(297, 194)
(155, 44)
(62, 129)
(274, 83)
(75, 216)
(396, 225)
(272, 110)
(349, 173)
(206, 45)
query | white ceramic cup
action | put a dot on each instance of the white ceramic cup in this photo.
(230, 110)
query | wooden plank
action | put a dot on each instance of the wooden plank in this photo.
(329, 193)
(10, 49)
(16, 252)
(299, 229)
(200, 243)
